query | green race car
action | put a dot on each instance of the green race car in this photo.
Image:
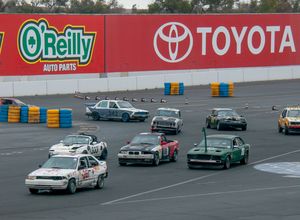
(220, 151)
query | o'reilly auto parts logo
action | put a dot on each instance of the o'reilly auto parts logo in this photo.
(1, 40)
(38, 41)
(175, 38)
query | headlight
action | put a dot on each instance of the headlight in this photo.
(123, 152)
(31, 177)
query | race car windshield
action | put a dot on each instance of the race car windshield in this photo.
(124, 104)
(227, 113)
(61, 163)
(145, 139)
(167, 113)
(70, 140)
(216, 142)
(293, 113)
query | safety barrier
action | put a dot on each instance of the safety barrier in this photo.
(43, 115)
(65, 118)
(14, 114)
(24, 114)
(222, 89)
(174, 88)
(53, 118)
(3, 113)
(34, 114)
(215, 89)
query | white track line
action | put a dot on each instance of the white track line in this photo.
(208, 194)
(190, 180)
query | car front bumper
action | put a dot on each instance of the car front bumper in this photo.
(145, 158)
(162, 128)
(233, 124)
(46, 184)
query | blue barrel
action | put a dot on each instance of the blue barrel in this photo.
(65, 118)
(43, 115)
(224, 89)
(4, 113)
(167, 88)
(24, 114)
(181, 88)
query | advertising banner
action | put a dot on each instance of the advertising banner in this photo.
(169, 42)
(51, 44)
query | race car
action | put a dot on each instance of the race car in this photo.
(80, 144)
(222, 118)
(167, 120)
(220, 151)
(289, 120)
(68, 172)
(115, 109)
(11, 101)
(149, 148)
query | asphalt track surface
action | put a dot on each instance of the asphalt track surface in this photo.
(171, 190)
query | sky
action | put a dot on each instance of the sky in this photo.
(139, 3)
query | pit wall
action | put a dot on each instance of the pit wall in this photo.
(50, 85)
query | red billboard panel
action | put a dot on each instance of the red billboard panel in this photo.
(51, 44)
(169, 42)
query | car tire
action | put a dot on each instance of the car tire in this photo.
(244, 128)
(71, 188)
(156, 159)
(286, 131)
(103, 154)
(33, 191)
(175, 156)
(207, 124)
(84, 152)
(226, 163)
(95, 116)
(280, 129)
(100, 182)
(125, 117)
(245, 159)
(219, 127)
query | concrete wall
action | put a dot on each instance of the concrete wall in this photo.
(49, 85)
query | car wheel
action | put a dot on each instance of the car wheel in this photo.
(279, 128)
(175, 156)
(95, 116)
(33, 191)
(125, 117)
(286, 131)
(71, 188)
(156, 159)
(245, 159)
(207, 124)
(84, 152)
(219, 127)
(176, 131)
(227, 163)
(100, 182)
(103, 154)
(244, 128)
(122, 164)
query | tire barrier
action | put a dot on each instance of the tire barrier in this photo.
(65, 118)
(14, 114)
(34, 114)
(222, 89)
(24, 114)
(174, 88)
(43, 115)
(4, 113)
(53, 118)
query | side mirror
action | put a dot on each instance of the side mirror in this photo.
(195, 144)
(93, 143)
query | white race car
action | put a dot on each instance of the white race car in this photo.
(68, 172)
(80, 144)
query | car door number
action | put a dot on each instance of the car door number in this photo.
(242, 151)
(94, 149)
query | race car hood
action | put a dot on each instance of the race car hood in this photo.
(139, 147)
(51, 172)
(63, 147)
(210, 151)
(295, 119)
(233, 118)
(164, 118)
(134, 110)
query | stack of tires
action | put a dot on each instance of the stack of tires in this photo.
(224, 89)
(167, 88)
(230, 89)
(215, 89)
(34, 114)
(24, 114)
(43, 115)
(3, 113)
(174, 88)
(53, 118)
(14, 114)
(181, 88)
(65, 118)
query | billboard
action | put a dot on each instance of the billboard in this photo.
(51, 44)
(171, 42)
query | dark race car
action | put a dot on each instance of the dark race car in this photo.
(149, 148)
(222, 118)
(220, 151)
(11, 101)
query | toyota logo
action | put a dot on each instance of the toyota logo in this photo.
(174, 34)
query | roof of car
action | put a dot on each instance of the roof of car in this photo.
(168, 109)
(222, 109)
(151, 133)
(71, 155)
(227, 136)
(293, 108)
